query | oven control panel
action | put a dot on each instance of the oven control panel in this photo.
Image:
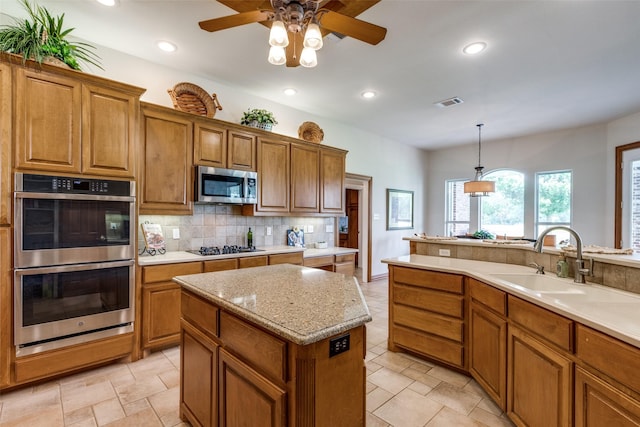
(31, 183)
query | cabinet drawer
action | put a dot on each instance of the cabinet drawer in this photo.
(432, 323)
(293, 258)
(430, 346)
(346, 258)
(252, 261)
(220, 265)
(318, 261)
(344, 268)
(261, 350)
(165, 272)
(439, 302)
(488, 296)
(428, 279)
(199, 312)
(609, 355)
(549, 326)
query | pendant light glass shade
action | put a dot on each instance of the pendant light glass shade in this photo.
(313, 37)
(478, 187)
(278, 35)
(277, 55)
(308, 57)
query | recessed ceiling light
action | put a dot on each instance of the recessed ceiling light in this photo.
(368, 94)
(107, 2)
(473, 48)
(290, 91)
(167, 46)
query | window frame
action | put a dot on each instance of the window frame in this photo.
(487, 176)
(448, 205)
(547, 224)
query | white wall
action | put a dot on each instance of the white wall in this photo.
(390, 163)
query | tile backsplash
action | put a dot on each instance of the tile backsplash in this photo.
(219, 225)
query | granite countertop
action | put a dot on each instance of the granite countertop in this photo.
(183, 256)
(300, 304)
(605, 309)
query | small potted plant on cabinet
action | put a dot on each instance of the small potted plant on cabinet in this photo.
(42, 38)
(257, 118)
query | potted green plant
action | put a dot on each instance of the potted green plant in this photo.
(257, 118)
(41, 36)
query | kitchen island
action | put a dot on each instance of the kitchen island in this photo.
(280, 345)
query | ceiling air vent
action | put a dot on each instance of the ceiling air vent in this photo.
(449, 102)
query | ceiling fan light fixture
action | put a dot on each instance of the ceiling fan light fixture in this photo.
(478, 187)
(277, 55)
(308, 58)
(278, 36)
(313, 37)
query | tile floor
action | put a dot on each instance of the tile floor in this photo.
(402, 391)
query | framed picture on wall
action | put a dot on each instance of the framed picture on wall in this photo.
(399, 209)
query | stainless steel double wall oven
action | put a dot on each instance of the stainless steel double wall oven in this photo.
(74, 260)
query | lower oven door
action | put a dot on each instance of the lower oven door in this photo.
(70, 304)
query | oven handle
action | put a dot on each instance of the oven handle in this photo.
(72, 267)
(61, 196)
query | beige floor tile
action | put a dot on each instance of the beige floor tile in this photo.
(140, 389)
(490, 406)
(46, 417)
(377, 398)
(80, 416)
(424, 378)
(145, 418)
(155, 364)
(451, 377)
(26, 404)
(77, 397)
(408, 409)
(395, 361)
(419, 387)
(373, 421)
(389, 380)
(447, 417)
(489, 419)
(166, 402)
(170, 378)
(136, 406)
(108, 411)
(459, 400)
(89, 422)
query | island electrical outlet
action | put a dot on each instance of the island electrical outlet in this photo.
(339, 345)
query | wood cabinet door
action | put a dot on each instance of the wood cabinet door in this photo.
(210, 144)
(109, 126)
(305, 172)
(273, 176)
(332, 172)
(246, 397)
(47, 121)
(600, 404)
(488, 352)
(6, 306)
(241, 153)
(253, 261)
(160, 314)
(539, 382)
(166, 159)
(199, 378)
(6, 142)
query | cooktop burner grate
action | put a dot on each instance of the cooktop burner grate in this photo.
(225, 250)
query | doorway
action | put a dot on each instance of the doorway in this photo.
(358, 221)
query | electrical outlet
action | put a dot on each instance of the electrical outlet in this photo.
(444, 252)
(339, 345)
(268, 231)
(328, 229)
(176, 233)
(308, 229)
(376, 216)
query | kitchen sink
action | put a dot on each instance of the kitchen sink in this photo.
(542, 283)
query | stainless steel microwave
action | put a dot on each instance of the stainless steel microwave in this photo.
(218, 185)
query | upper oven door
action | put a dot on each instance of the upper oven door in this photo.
(56, 229)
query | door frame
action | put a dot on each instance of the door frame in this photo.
(617, 238)
(364, 184)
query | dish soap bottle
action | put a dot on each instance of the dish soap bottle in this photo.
(250, 238)
(562, 268)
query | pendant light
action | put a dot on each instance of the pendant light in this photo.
(478, 187)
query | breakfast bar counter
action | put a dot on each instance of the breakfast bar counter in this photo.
(284, 343)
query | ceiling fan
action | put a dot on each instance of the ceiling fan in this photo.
(299, 19)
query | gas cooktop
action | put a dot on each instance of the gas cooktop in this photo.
(225, 250)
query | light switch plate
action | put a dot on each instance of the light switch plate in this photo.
(268, 231)
(308, 229)
(176, 233)
(328, 229)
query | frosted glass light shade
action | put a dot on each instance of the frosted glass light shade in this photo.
(277, 55)
(278, 35)
(313, 37)
(479, 188)
(308, 57)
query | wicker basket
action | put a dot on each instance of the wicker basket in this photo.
(193, 99)
(310, 131)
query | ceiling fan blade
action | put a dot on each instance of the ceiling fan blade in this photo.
(352, 27)
(236, 20)
(294, 49)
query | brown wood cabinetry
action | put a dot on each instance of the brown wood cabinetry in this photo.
(488, 339)
(217, 146)
(253, 261)
(166, 162)
(426, 314)
(65, 123)
(6, 302)
(332, 169)
(273, 176)
(343, 264)
(287, 258)
(6, 162)
(220, 265)
(305, 174)
(241, 152)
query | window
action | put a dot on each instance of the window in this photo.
(553, 202)
(502, 213)
(458, 214)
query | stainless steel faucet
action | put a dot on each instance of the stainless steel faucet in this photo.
(580, 271)
(539, 268)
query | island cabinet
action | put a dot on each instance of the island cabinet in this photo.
(426, 314)
(217, 145)
(488, 339)
(607, 385)
(74, 123)
(6, 161)
(166, 161)
(540, 368)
